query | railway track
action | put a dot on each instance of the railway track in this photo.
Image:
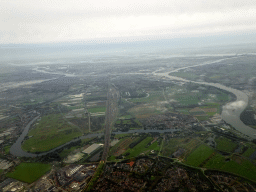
(111, 113)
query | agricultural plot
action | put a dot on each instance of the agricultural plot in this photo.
(153, 96)
(188, 99)
(29, 172)
(199, 155)
(202, 118)
(186, 75)
(126, 117)
(235, 164)
(82, 123)
(7, 149)
(124, 124)
(146, 110)
(120, 147)
(51, 131)
(173, 144)
(224, 144)
(144, 147)
(97, 109)
(249, 152)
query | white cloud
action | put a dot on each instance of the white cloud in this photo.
(28, 21)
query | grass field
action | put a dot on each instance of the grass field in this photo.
(52, 131)
(97, 109)
(236, 165)
(66, 152)
(75, 107)
(202, 118)
(174, 144)
(249, 152)
(153, 97)
(199, 155)
(29, 172)
(7, 149)
(212, 105)
(126, 117)
(186, 75)
(224, 144)
(146, 110)
(142, 147)
(188, 99)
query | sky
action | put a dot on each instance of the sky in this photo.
(49, 21)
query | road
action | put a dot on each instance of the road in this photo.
(111, 113)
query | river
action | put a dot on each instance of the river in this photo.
(231, 111)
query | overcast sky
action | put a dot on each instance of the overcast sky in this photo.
(43, 21)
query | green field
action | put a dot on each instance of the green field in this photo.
(188, 99)
(142, 147)
(126, 117)
(29, 172)
(97, 109)
(202, 118)
(66, 152)
(186, 75)
(51, 131)
(75, 107)
(224, 144)
(118, 122)
(199, 155)
(236, 165)
(127, 122)
(174, 144)
(7, 149)
(153, 97)
(184, 111)
(249, 152)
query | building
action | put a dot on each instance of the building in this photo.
(92, 148)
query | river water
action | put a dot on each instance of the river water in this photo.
(231, 111)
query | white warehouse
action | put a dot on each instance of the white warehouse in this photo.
(92, 148)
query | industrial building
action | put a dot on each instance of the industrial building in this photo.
(92, 148)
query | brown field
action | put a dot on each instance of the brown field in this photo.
(196, 109)
(209, 110)
(122, 147)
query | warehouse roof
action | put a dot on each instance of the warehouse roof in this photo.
(92, 148)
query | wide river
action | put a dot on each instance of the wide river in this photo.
(230, 113)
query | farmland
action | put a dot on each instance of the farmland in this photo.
(199, 155)
(97, 109)
(249, 152)
(226, 145)
(144, 147)
(235, 164)
(50, 132)
(29, 172)
(173, 144)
